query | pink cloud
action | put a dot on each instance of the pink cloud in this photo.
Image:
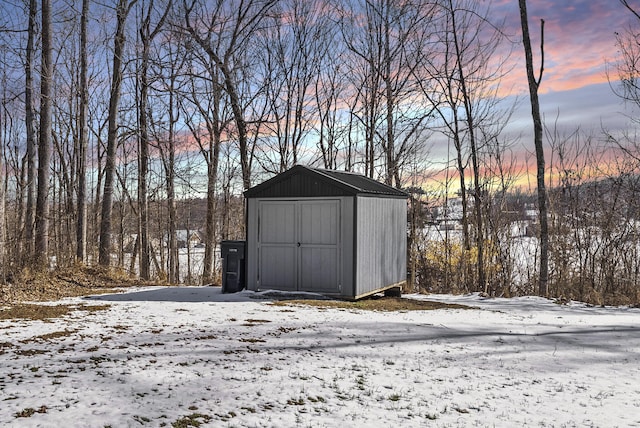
(579, 39)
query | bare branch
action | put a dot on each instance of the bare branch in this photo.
(541, 53)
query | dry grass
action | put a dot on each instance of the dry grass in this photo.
(73, 281)
(44, 312)
(51, 286)
(388, 304)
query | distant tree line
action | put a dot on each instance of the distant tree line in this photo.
(116, 118)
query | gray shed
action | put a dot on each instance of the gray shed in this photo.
(331, 232)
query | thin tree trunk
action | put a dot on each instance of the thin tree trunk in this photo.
(146, 36)
(212, 169)
(210, 227)
(477, 196)
(389, 95)
(3, 180)
(44, 143)
(143, 159)
(534, 85)
(174, 276)
(134, 254)
(30, 129)
(81, 225)
(104, 252)
(241, 125)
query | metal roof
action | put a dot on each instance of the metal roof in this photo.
(303, 181)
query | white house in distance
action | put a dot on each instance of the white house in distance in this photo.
(188, 238)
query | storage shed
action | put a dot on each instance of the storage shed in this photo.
(331, 232)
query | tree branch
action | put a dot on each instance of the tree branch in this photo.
(626, 4)
(542, 52)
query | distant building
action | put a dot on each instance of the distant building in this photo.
(188, 238)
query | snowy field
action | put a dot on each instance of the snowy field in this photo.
(181, 356)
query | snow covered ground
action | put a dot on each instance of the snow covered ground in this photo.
(175, 356)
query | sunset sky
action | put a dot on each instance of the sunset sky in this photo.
(579, 41)
(575, 93)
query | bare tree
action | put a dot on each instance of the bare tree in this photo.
(167, 146)
(30, 123)
(473, 143)
(223, 33)
(386, 40)
(534, 85)
(207, 96)
(291, 53)
(4, 144)
(44, 142)
(122, 11)
(627, 73)
(83, 137)
(147, 34)
(460, 78)
(364, 42)
(329, 89)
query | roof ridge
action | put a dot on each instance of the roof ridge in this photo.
(323, 173)
(355, 174)
(351, 183)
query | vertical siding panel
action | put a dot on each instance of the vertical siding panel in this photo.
(347, 244)
(319, 245)
(278, 245)
(252, 244)
(381, 243)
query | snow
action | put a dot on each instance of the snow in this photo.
(156, 356)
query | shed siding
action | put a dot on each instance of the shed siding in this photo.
(330, 236)
(381, 255)
(347, 264)
(277, 254)
(251, 261)
(319, 245)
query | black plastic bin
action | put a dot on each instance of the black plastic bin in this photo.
(232, 253)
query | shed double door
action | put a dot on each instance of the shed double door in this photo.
(299, 245)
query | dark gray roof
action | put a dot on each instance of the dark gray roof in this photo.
(303, 181)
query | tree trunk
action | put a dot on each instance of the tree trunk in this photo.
(3, 179)
(146, 36)
(143, 158)
(44, 143)
(534, 85)
(174, 277)
(390, 100)
(212, 169)
(81, 225)
(30, 130)
(104, 251)
(212, 178)
(241, 125)
(477, 196)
